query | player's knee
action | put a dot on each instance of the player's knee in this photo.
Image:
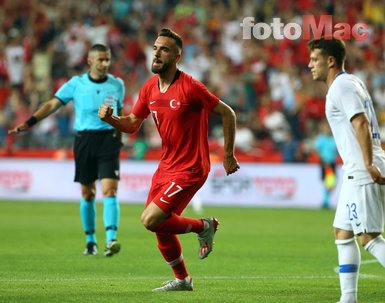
(340, 234)
(148, 221)
(366, 238)
(109, 192)
(110, 189)
(88, 192)
(88, 195)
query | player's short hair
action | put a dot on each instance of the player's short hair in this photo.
(167, 32)
(330, 47)
(99, 48)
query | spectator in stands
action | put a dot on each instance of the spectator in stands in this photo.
(244, 140)
(379, 101)
(211, 29)
(275, 121)
(15, 59)
(292, 149)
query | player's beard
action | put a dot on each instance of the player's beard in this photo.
(160, 69)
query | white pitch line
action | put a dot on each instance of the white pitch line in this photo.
(224, 278)
(364, 262)
(369, 261)
(138, 278)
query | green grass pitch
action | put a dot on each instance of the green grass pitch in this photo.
(260, 255)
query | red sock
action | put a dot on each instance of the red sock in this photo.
(180, 270)
(171, 251)
(179, 225)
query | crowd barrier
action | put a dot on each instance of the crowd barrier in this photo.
(254, 185)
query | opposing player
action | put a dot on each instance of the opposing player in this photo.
(97, 144)
(361, 206)
(180, 107)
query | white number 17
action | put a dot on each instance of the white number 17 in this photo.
(177, 190)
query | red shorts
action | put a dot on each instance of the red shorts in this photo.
(172, 193)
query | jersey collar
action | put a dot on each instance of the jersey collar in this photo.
(97, 81)
(177, 75)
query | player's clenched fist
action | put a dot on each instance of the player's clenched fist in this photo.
(230, 164)
(105, 112)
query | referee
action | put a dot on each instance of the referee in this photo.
(97, 144)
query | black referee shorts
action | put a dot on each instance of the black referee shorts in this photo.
(96, 156)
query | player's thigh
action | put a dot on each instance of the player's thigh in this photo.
(157, 183)
(177, 192)
(360, 208)
(109, 187)
(88, 191)
(373, 208)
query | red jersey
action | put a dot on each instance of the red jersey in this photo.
(181, 116)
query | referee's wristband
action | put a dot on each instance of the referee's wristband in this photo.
(31, 121)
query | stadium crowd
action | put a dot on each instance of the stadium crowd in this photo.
(279, 108)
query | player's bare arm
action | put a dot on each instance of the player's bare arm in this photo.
(44, 111)
(126, 124)
(230, 162)
(361, 126)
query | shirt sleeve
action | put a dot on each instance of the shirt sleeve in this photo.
(317, 143)
(141, 109)
(201, 94)
(351, 101)
(66, 92)
(122, 94)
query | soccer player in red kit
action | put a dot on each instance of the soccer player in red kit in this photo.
(180, 106)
